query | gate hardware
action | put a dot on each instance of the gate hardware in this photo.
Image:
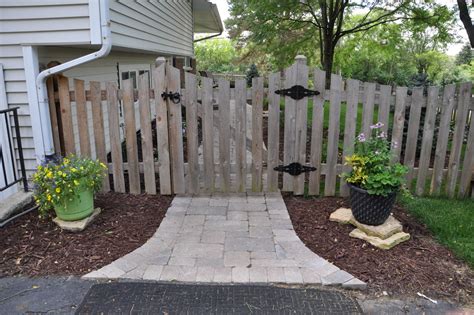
(297, 92)
(174, 97)
(294, 168)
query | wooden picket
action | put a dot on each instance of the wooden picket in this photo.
(81, 108)
(301, 113)
(350, 127)
(464, 98)
(162, 128)
(208, 134)
(273, 130)
(146, 134)
(468, 164)
(368, 109)
(98, 128)
(289, 127)
(175, 131)
(333, 135)
(66, 116)
(114, 133)
(231, 147)
(224, 134)
(50, 83)
(398, 123)
(317, 131)
(192, 178)
(240, 135)
(428, 133)
(257, 135)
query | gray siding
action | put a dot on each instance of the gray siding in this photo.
(44, 22)
(33, 22)
(161, 26)
(11, 57)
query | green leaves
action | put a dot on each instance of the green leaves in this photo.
(60, 180)
(371, 166)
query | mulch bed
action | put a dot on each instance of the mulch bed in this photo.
(38, 247)
(418, 265)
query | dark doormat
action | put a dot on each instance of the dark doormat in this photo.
(159, 298)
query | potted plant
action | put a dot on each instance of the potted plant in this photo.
(373, 180)
(67, 185)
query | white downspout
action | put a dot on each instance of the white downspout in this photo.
(43, 105)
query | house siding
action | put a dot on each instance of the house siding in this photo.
(161, 26)
(156, 27)
(29, 23)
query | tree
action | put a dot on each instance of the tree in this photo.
(252, 72)
(465, 55)
(281, 25)
(466, 20)
(217, 55)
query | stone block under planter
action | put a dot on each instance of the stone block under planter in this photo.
(79, 225)
(387, 243)
(384, 236)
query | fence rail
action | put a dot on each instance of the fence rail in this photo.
(218, 138)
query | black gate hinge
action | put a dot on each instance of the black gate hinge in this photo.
(297, 92)
(294, 168)
(175, 97)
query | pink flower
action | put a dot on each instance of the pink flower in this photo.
(361, 137)
(377, 125)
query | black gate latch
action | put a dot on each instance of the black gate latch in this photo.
(175, 97)
(294, 168)
(297, 92)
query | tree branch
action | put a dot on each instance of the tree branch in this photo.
(377, 21)
(466, 20)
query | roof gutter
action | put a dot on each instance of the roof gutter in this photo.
(42, 93)
(215, 13)
(207, 37)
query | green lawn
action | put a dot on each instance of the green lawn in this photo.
(451, 222)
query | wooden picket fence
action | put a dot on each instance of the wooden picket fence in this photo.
(211, 138)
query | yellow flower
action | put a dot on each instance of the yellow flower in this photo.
(73, 170)
(60, 173)
(76, 183)
(66, 161)
(50, 174)
(49, 197)
(58, 190)
(103, 165)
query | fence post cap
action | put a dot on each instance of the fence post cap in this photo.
(159, 61)
(301, 59)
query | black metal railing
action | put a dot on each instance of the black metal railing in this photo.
(9, 182)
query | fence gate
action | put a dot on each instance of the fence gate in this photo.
(285, 131)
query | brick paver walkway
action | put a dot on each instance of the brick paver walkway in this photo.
(235, 238)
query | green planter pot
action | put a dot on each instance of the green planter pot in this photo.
(80, 207)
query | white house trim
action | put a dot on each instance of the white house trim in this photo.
(94, 13)
(30, 60)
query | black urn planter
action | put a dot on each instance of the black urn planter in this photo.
(370, 209)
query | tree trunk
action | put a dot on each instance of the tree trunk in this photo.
(466, 20)
(328, 57)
